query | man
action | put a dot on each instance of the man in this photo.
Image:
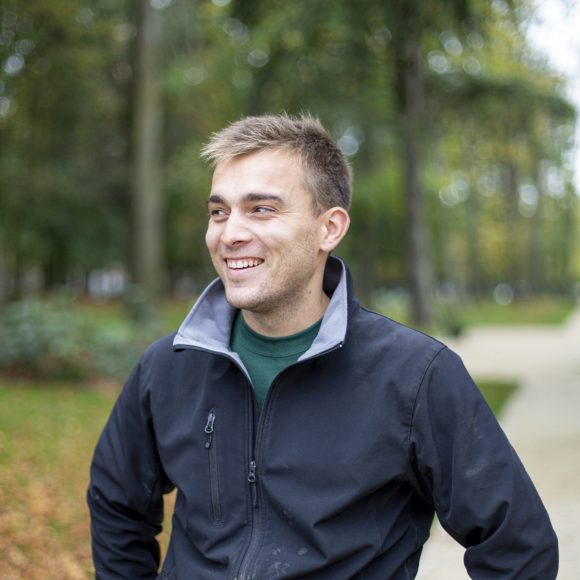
(307, 437)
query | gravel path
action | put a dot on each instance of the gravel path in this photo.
(542, 421)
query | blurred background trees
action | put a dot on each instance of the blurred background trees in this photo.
(458, 133)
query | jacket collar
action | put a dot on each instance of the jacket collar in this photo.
(209, 323)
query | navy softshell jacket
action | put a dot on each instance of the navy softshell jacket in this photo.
(358, 444)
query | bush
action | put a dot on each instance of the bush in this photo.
(51, 340)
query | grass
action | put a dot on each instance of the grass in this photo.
(452, 318)
(47, 435)
(540, 310)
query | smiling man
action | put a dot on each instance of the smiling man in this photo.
(307, 437)
(268, 242)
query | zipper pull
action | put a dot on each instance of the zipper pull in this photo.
(209, 428)
(252, 478)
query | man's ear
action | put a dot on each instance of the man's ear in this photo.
(334, 225)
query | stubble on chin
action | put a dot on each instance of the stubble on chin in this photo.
(244, 301)
(277, 304)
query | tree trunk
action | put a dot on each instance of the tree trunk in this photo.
(147, 252)
(535, 256)
(410, 91)
(473, 287)
(513, 273)
(566, 240)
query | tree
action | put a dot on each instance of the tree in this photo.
(58, 217)
(428, 99)
(147, 203)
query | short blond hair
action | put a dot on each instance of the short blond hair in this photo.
(328, 175)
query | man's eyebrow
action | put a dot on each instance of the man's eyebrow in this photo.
(214, 198)
(263, 197)
(252, 197)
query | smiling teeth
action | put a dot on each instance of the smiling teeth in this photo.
(239, 264)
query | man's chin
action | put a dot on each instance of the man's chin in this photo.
(243, 301)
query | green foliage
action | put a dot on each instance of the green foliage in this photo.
(495, 135)
(49, 340)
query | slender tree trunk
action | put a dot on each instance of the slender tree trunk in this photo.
(473, 219)
(410, 89)
(473, 276)
(447, 272)
(566, 242)
(367, 272)
(513, 272)
(17, 275)
(535, 257)
(147, 252)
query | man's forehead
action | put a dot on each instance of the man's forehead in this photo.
(266, 172)
(261, 158)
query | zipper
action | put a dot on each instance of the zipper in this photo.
(252, 479)
(256, 534)
(256, 522)
(209, 429)
(253, 446)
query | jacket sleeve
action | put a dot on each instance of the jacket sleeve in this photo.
(468, 470)
(125, 492)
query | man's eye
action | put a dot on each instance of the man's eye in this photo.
(217, 213)
(263, 209)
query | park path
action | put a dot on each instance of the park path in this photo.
(542, 421)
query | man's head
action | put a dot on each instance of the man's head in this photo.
(277, 207)
(327, 174)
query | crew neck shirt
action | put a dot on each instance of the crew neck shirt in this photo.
(264, 356)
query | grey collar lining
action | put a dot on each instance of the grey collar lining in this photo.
(208, 324)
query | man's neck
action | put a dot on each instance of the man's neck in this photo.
(290, 320)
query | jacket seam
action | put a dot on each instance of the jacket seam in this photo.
(411, 424)
(397, 323)
(420, 388)
(155, 478)
(146, 417)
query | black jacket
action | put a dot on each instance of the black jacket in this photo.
(374, 429)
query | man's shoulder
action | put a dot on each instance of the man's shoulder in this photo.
(160, 348)
(382, 330)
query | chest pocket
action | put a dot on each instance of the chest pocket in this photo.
(211, 431)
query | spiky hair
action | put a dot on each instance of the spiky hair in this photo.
(328, 175)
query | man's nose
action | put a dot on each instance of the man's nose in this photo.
(236, 230)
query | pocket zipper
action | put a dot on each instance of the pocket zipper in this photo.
(209, 431)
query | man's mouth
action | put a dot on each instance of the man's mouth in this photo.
(244, 263)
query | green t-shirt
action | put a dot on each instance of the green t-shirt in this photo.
(264, 356)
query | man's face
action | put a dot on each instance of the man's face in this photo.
(263, 236)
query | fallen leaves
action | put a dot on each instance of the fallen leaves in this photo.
(47, 437)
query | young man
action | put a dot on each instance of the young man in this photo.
(307, 437)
